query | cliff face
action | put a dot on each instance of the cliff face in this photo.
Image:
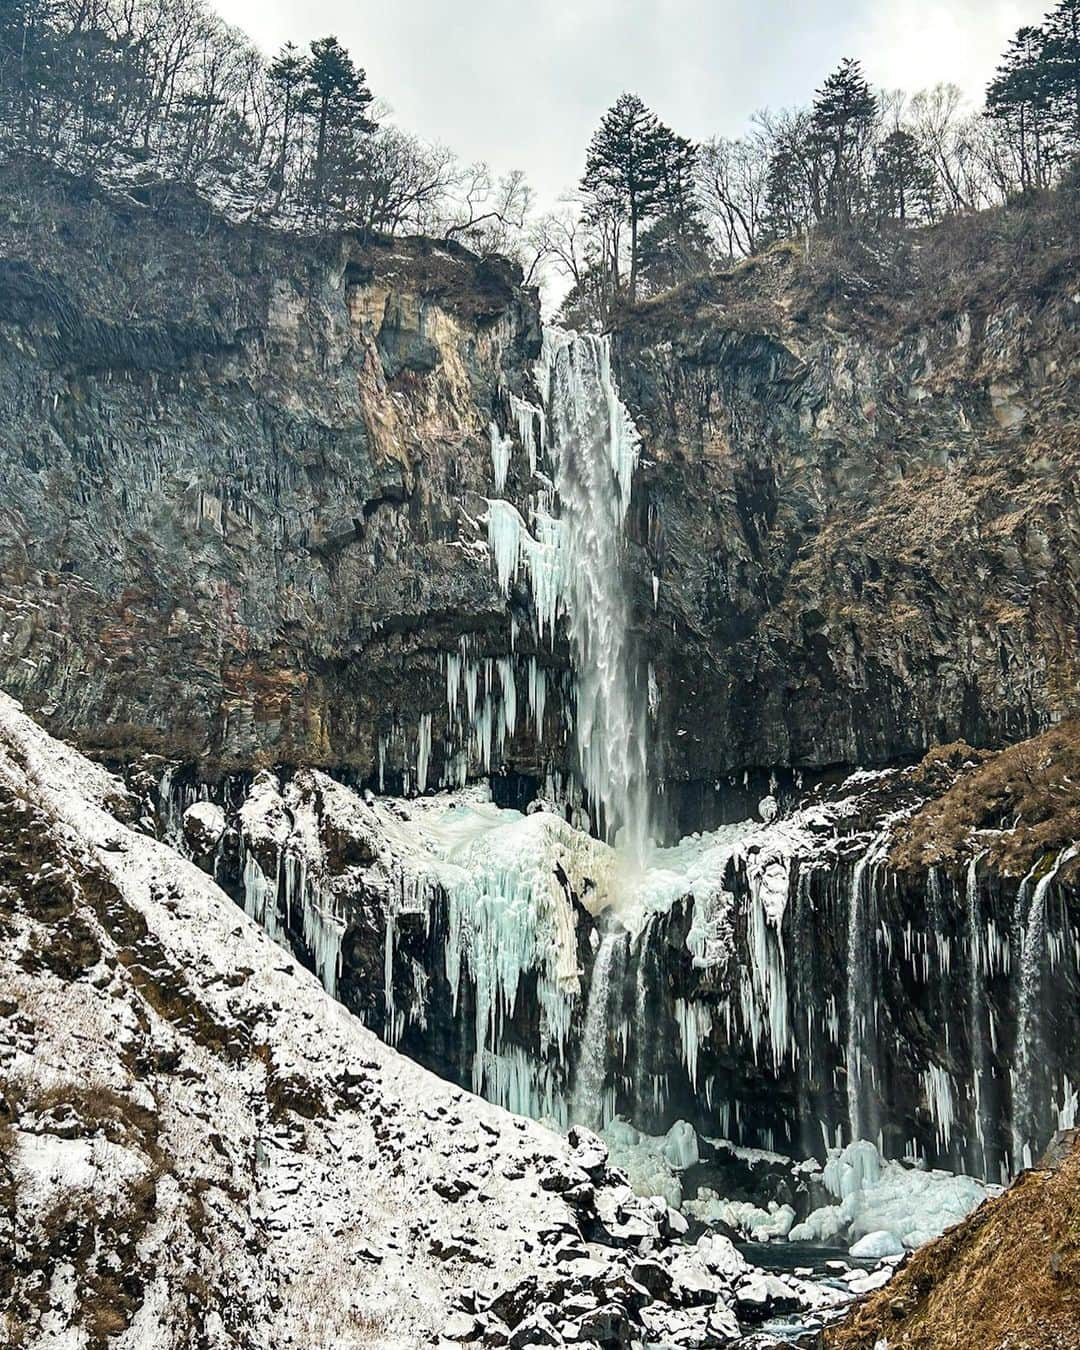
(247, 477)
(860, 496)
(243, 476)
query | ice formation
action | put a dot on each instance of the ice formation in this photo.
(501, 447)
(879, 1197)
(653, 1163)
(569, 555)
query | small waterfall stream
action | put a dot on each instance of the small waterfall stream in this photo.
(1028, 1018)
(589, 1106)
(860, 1012)
(977, 1013)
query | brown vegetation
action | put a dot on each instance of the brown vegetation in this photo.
(1029, 793)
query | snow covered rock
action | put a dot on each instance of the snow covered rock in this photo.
(204, 824)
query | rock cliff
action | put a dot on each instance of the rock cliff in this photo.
(247, 478)
(860, 496)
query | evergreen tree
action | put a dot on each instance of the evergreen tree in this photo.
(636, 170)
(1061, 69)
(1019, 98)
(285, 75)
(841, 131)
(336, 96)
(904, 183)
(676, 243)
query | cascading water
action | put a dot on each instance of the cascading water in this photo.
(594, 449)
(860, 1010)
(588, 1106)
(1027, 1026)
(976, 1013)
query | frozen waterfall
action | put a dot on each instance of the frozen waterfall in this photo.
(594, 449)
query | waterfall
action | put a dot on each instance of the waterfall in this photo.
(861, 991)
(976, 1026)
(1025, 1110)
(588, 1103)
(641, 1014)
(594, 449)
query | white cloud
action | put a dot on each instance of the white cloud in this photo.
(522, 83)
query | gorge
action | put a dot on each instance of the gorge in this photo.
(671, 732)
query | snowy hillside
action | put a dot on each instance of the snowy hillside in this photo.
(203, 1148)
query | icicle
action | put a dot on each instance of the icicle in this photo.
(694, 1021)
(423, 752)
(501, 447)
(508, 687)
(527, 418)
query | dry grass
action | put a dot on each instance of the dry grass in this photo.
(1007, 1278)
(1030, 791)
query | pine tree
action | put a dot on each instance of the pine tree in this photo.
(622, 171)
(1019, 98)
(841, 129)
(904, 183)
(637, 170)
(1061, 69)
(336, 95)
(676, 243)
(286, 74)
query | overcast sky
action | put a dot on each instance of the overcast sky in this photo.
(522, 83)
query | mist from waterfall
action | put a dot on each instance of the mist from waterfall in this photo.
(594, 450)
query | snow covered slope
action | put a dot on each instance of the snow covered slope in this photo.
(200, 1147)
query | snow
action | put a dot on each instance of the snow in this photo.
(755, 1223)
(359, 1174)
(208, 818)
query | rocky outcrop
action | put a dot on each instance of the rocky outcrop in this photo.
(245, 473)
(859, 494)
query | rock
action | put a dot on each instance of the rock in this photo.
(204, 824)
(453, 1188)
(460, 1326)
(693, 1328)
(564, 1179)
(762, 1295)
(866, 1284)
(608, 1326)
(534, 1330)
(652, 1276)
(589, 1150)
